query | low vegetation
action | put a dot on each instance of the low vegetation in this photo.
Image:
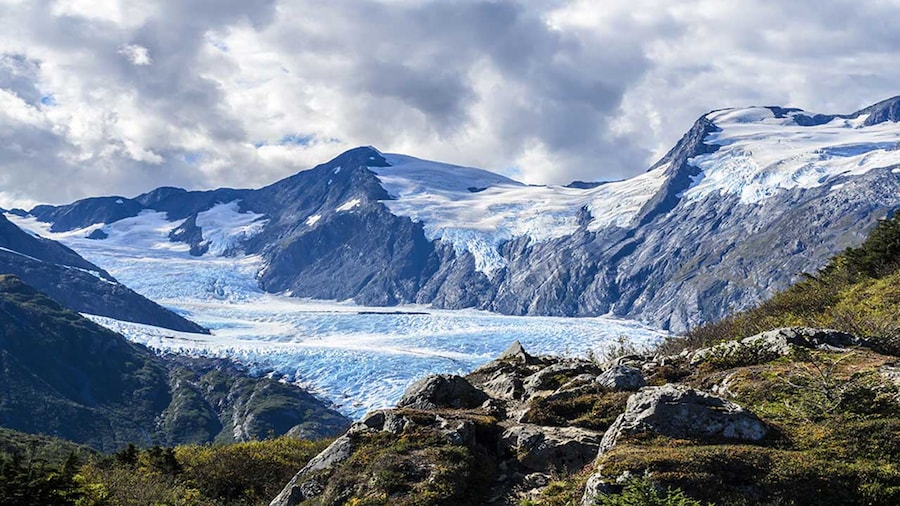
(857, 292)
(57, 473)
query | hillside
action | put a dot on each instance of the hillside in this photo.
(65, 376)
(793, 415)
(856, 292)
(78, 284)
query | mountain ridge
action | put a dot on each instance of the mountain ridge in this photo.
(78, 284)
(387, 229)
(66, 376)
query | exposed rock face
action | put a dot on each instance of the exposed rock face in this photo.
(442, 391)
(779, 342)
(681, 412)
(622, 378)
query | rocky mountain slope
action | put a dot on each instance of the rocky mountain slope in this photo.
(746, 201)
(76, 283)
(65, 376)
(791, 415)
(749, 422)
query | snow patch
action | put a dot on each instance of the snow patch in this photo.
(346, 206)
(313, 219)
(225, 227)
(337, 170)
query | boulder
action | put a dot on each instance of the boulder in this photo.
(548, 377)
(622, 378)
(549, 449)
(681, 412)
(515, 353)
(503, 384)
(442, 391)
(595, 487)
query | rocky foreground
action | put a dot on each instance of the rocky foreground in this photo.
(753, 421)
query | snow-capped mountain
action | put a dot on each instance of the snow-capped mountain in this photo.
(78, 284)
(746, 201)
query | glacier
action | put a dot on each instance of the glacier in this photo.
(477, 211)
(761, 154)
(358, 358)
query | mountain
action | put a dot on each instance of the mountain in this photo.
(764, 407)
(742, 205)
(78, 284)
(63, 375)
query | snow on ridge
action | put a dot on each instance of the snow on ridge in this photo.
(224, 227)
(476, 211)
(313, 219)
(760, 154)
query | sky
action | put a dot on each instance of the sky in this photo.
(104, 97)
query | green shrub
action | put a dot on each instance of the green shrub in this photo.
(644, 492)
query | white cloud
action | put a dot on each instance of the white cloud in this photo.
(121, 96)
(137, 55)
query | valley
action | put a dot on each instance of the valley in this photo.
(359, 358)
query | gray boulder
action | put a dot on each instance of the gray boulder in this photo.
(622, 378)
(515, 353)
(549, 449)
(548, 377)
(442, 391)
(681, 412)
(504, 385)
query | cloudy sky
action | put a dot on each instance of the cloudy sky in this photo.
(118, 97)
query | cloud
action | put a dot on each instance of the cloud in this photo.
(117, 97)
(137, 55)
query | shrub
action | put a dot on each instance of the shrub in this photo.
(644, 492)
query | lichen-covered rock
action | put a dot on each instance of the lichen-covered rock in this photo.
(777, 343)
(549, 449)
(681, 412)
(595, 487)
(557, 374)
(442, 391)
(622, 378)
(515, 353)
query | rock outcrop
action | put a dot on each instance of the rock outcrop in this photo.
(778, 343)
(681, 412)
(442, 391)
(480, 415)
(622, 378)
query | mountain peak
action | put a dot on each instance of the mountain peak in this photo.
(362, 155)
(886, 110)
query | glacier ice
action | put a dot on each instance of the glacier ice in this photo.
(359, 358)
